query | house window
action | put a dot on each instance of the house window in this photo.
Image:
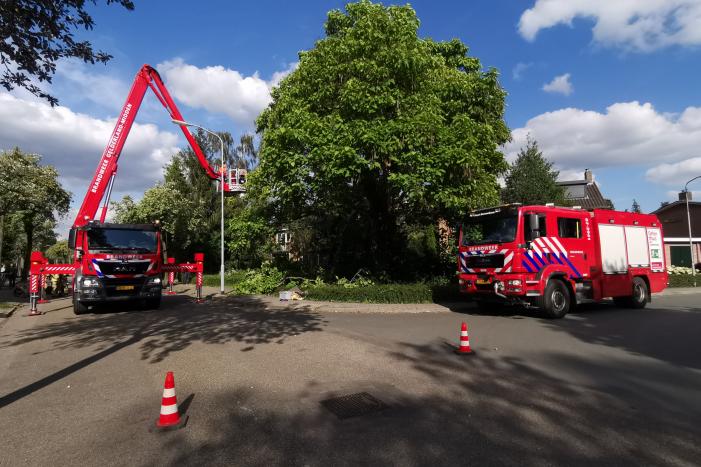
(568, 227)
(680, 255)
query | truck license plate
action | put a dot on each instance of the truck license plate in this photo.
(125, 287)
(484, 281)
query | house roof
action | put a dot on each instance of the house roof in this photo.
(572, 182)
(585, 194)
(667, 206)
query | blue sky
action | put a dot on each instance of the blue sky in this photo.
(611, 86)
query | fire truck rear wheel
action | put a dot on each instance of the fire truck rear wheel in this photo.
(556, 300)
(638, 299)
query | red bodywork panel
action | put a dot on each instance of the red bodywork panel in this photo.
(569, 246)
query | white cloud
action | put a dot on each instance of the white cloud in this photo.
(560, 85)
(519, 69)
(677, 173)
(219, 89)
(80, 82)
(628, 133)
(639, 25)
(73, 143)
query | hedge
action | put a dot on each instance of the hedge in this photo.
(212, 280)
(385, 293)
(683, 280)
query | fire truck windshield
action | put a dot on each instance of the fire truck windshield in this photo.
(121, 240)
(492, 228)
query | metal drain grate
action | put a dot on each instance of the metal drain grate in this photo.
(353, 405)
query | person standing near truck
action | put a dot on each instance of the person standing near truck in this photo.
(11, 275)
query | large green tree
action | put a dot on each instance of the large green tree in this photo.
(379, 129)
(33, 192)
(532, 179)
(35, 34)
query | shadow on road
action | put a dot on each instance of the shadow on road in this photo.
(178, 324)
(488, 411)
(670, 334)
(667, 334)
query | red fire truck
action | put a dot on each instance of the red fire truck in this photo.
(122, 261)
(553, 257)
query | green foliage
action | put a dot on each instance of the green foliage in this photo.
(348, 284)
(265, 280)
(230, 278)
(26, 185)
(35, 35)
(249, 238)
(421, 292)
(59, 252)
(532, 180)
(636, 207)
(375, 130)
(33, 197)
(684, 280)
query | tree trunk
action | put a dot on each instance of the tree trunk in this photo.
(29, 232)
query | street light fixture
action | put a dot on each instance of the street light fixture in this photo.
(688, 220)
(221, 141)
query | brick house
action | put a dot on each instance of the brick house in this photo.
(676, 230)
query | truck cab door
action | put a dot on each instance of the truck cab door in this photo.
(573, 238)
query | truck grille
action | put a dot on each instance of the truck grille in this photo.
(123, 267)
(485, 261)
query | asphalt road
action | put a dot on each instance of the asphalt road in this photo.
(604, 386)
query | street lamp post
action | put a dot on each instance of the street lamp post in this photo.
(221, 141)
(688, 220)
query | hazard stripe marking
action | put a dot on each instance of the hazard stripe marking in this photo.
(169, 409)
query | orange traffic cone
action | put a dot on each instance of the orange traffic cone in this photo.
(464, 348)
(170, 418)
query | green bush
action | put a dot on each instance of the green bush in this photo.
(385, 293)
(230, 278)
(683, 280)
(265, 280)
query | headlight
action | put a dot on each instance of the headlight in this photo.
(515, 282)
(90, 282)
(154, 280)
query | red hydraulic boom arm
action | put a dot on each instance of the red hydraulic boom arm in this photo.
(100, 187)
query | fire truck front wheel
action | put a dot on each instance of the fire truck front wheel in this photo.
(79, 308)
(556, 299)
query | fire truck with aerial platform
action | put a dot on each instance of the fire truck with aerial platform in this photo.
(113, 262)
(553, 257)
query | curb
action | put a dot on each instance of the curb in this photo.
(672, 291)
(11, 312)
(370, 308)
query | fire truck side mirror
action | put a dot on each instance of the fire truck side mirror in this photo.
(533, 225)
(71, 239)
